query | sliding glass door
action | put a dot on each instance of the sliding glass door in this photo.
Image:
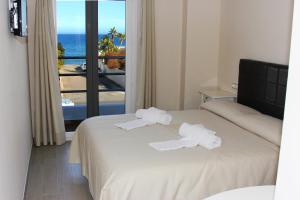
(71, 37)
(112, 41)
(91, 62)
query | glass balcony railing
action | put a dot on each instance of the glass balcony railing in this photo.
(73, 79)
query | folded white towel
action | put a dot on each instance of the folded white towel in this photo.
(133, 124)
(154, 115)
(192, 135)
(147, 117)
(165, 119)
(167, 145)
(189, 130)
(200, 135)
(141, 112)
(173, 144)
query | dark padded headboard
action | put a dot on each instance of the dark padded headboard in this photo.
(262, 86)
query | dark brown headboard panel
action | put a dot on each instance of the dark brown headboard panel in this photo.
(262, 86)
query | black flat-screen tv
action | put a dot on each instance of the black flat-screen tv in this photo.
(18, 17)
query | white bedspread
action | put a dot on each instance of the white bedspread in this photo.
(120, 165)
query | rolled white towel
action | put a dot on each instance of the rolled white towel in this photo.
(185, 143)
(146, 117)
(154, 115)
(165, 119)
(188, 130)
(192, 136)
(207, 141)
(139, 113)
(153, 109)
(198, 134)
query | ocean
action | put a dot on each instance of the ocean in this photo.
(75, 45)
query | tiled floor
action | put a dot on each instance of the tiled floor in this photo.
(51, 177)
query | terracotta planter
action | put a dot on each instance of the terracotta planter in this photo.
(116, 63)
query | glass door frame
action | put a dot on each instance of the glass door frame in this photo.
(92, 73)
(92, 57)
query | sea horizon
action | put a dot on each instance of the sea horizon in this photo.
(75, 45)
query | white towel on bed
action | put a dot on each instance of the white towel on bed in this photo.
(192, 135)
(173, 144)
(146, 117)
(141, 112)
(167, 145)
(154, 115)
(130, 125)
(191, 130)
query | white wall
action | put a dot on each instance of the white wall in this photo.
(15, 136)
(218, 34)
(168, 18)
(202, 48)
(255, 29)
(289, 163)
(202, 42)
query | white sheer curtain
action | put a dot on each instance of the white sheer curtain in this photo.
(46, 110)
(132, 20)
(141, 55)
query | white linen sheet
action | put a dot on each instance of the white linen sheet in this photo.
(122, 166)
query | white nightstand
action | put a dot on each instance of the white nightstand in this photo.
(214, 93)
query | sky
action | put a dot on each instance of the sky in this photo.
(71, 16)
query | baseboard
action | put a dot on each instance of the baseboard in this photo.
(26, 177)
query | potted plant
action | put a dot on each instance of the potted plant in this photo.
(107, 47)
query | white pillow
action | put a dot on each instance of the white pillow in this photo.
(265, 126)
(227, 108)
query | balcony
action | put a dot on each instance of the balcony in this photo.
(111, 89)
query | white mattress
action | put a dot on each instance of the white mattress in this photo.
(120, 165)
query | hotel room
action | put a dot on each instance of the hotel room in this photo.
(149, 99)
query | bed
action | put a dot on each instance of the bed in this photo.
(121, 165)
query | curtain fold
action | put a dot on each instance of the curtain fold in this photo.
(146, 65)
(46, 110)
